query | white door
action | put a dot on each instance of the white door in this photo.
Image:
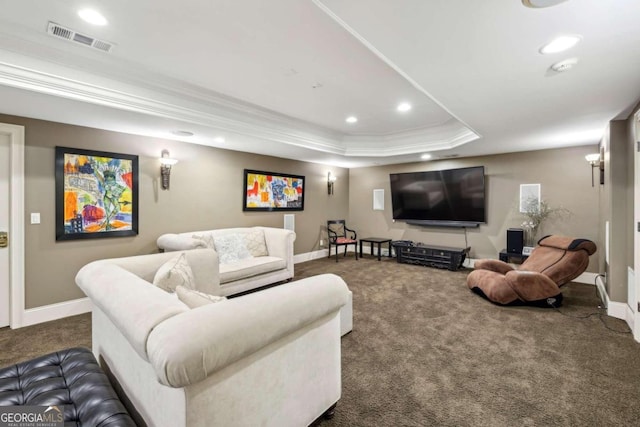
(4, 228)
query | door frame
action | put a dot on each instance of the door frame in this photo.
(635, 305)
(16, 223)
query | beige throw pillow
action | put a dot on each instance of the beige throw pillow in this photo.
(174, 272)
(195, 299)
(255, 242)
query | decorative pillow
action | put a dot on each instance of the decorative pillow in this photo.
(195, 299)
(231, 248)
(206, 238)
(174, 272)
(255, 243)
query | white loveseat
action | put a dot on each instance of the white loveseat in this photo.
(269, 358)
(266, 259)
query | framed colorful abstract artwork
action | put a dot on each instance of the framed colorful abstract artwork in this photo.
(96, 194)
(268, 191)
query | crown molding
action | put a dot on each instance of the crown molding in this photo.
(450, 134)
(165, 106)
(170, 99)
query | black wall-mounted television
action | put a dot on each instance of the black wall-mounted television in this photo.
(445, 198)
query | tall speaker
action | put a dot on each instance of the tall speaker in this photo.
(515, 240)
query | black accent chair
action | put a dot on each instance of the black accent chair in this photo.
(340, 235)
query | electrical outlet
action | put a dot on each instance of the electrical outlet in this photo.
(321, 242)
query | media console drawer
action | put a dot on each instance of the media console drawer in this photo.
(432, 256)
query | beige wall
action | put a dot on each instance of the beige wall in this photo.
(206, 192)
(564, 174)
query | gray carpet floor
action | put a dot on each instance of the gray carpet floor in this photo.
(426, 351)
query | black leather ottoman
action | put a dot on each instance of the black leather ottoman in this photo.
(71, 378)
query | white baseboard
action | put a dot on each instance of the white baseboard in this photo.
(619, 310)
(60, 310)
(47, 313)
(630, 317)
(310, 256)
(587, 278)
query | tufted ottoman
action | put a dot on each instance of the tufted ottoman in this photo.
(71, 378)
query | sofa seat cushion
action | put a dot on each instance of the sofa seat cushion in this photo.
(250, 267)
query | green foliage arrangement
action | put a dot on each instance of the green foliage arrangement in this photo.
(537, 213)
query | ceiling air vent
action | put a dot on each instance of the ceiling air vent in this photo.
(74, 36)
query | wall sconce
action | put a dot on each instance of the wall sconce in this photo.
(594, 161)
(330, 180)
(165, 168)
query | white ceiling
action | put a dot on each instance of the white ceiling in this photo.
(280, 77)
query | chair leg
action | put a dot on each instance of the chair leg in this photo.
(355, 249)
(329, 250)
(337, 250)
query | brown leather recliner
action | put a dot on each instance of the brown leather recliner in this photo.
(554, 262)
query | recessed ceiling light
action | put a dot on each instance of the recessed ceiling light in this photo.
(182, 133)
(541, 3)
(405, 106)
(560, 44)
(218, 139)
(426, 156)
(565, 65)
(92, 17)
(351, 119)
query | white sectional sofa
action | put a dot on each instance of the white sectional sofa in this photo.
(267, 257)
(268, 358)
(267, 265)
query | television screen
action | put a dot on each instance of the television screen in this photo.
(444, 197)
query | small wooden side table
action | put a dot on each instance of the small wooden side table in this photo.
(378, 241)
